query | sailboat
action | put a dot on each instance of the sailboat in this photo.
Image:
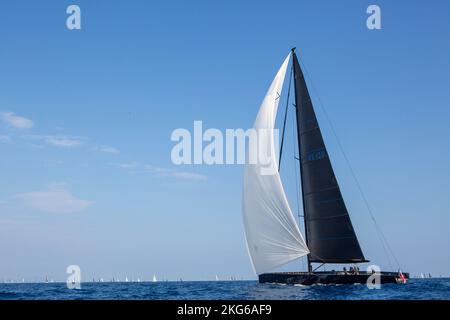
(154, 278)
(272, 234)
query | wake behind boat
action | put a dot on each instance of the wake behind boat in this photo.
(273, 236)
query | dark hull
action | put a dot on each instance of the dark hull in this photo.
(305, 278)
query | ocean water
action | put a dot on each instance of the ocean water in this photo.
(415, 289)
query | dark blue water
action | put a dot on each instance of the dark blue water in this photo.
(415, 289)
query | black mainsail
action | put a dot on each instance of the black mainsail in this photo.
(329, 233)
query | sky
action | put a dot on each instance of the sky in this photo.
(86, 117)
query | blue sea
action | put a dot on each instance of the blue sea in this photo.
(415, 289)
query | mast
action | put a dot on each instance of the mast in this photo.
(294, 58)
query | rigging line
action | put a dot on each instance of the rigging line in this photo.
(297, 188)
(377, 227)
(285, 117)
(295, 152)
(380, 234)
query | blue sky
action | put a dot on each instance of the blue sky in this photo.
(86, 118)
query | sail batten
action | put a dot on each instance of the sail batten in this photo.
(272, 234)
(329, 232)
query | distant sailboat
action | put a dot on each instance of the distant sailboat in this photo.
(138, 280)
(217, 277)
(126, 279)
(154, 278)
(272, 234)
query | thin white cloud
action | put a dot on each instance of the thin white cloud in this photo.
(184, 175)
(56, 199)
(129, 165)
(15, 121)
(153, 169)
(63, 142)
(134, 167)
(59, 141)
(108, 149)
(5, 139)
(187, 175)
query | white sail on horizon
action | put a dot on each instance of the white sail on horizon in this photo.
(272, 234)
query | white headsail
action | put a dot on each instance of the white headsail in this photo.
(273, 236)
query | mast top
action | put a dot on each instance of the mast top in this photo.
(293, 49)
